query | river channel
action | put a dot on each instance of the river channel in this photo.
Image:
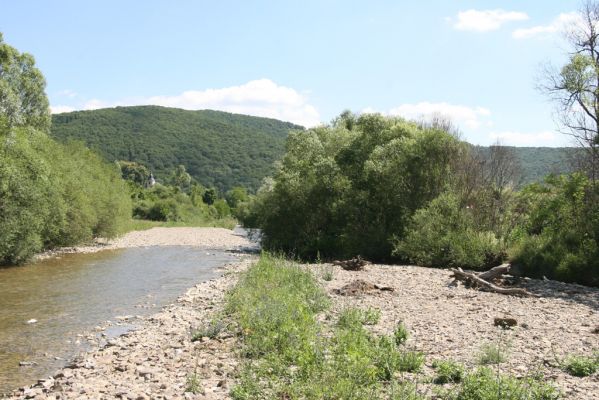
(49, 308)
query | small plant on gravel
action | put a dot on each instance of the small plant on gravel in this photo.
(209, 330)
(485, 384)
(193, 383)
(448, 371)
(400, 333)
(581, 366)
(371, 316)
(351, 317)
(405, 391)
(411, 361)
(493, 353)
(328, 272)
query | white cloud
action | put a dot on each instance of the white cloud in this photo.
(61, 109)
(470, 117)
(559, 24)
(67, 93)
(537, 139)
(262, 98)
(486, 20)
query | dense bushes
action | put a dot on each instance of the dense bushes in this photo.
(386, 188)
(50, 194)
(54, 195)
(560, 237)
(444, 233)
(342, 192)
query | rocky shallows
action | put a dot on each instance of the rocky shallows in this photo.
(167, 359)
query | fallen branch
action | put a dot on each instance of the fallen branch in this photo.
(495, 272)
(476, 281)
(355, 264)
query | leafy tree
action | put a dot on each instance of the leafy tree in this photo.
(135, 172)
(236, 196)
(344, 192)
(575, 87)
(209, 196)
(560, 235)
(50, 194)
(23, 101)
(181, 178)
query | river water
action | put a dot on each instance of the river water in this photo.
(74, 293)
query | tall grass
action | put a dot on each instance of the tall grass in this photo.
(288, 354)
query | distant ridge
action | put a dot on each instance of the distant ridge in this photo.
(218, 148)
(221, 149)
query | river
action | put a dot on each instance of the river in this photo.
(49, 308)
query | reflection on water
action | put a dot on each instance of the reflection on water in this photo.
(75, 292)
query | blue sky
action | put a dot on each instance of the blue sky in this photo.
(477, 62)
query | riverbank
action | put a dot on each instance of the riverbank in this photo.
(162, 361)
(214, 238)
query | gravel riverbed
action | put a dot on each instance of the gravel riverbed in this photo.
(159, 361)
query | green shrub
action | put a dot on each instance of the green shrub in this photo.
(492, 353)
(444, 234)
(353, 317)
(345, 191)
(580, 365)
(561, 235)
(400, 334)
(448, 371)
(485, 384)
(209, 330)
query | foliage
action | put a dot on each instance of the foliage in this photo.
(209, 330)
(55, 195)
(218, 149)
(400, 334)
(23, 102)
(448, 371)
(492, 353)
(560, 236)
(50, 194)
(193, 383)
(338, 191)
(485, 384)
(581, 365)
(275, 306)
(134, 172)
(445, 233)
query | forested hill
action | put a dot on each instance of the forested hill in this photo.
(534, 163)
(221, 149)
(217, 148)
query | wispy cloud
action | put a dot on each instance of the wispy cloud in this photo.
(262, 97)
(559, 24)
(486, 20)
(67, 93)
(538, 139)
(469, 117)
(61, 109)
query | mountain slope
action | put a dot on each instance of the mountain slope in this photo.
(218, 149)
(222, 149)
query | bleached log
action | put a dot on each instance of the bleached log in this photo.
(474, 279)
(495, 272)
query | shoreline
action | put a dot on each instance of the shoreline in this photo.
(157, 358)
(160, 360)
(205, 237)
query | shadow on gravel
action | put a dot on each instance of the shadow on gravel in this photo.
(566, 291)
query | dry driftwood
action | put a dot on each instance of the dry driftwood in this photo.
(475, 280)
(495, 272)
(355, 264)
